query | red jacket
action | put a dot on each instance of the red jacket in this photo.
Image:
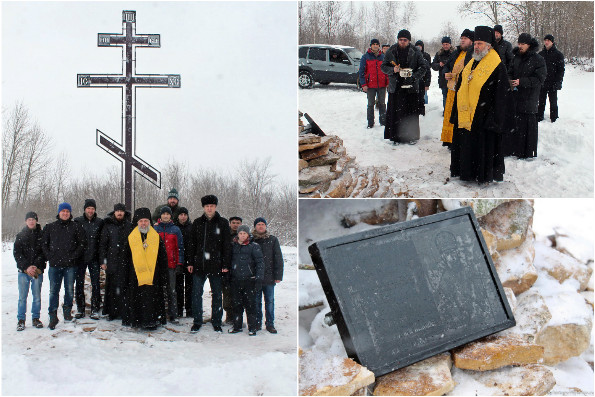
(369, 70)
(174, 245)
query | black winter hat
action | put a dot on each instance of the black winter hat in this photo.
(484, 33)
(209, 199)
(446, 39)
(498, 28)
(164, 209)
(549, 37)
(374, 41)
(524, 38)
(31, 214)
(468, 33)
(404, 33)
(89, 203)
(385, 45)
(260, 219)
(173, 193)
(183, 210)
(141, 213)
(119, 207)
(421, 43)
(235, 218)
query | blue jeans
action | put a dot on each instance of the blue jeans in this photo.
(269, 305)
(444, 94)
(198, 283)
(56, 275)
(425, 97)
(24, 281)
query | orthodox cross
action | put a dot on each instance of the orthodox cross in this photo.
(127, 81)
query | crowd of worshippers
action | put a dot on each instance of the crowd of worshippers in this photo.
(156, 265)
(493, 96)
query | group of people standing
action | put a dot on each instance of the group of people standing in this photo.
(493, 95)
(156, 264)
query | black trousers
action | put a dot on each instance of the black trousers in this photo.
(80, 287)
(244, 297)
(543, 94)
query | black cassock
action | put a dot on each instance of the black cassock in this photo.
(144, 306)
(476, 155)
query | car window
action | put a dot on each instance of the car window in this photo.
(337, 56)
(302, 52)
(317, 54)
(354, 53)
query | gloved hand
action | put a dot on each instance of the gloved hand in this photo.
(179, 270)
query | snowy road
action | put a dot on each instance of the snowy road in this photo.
(563, 168)
(113, 360)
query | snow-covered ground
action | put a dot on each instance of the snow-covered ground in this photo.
(563, 168)
(114, 360)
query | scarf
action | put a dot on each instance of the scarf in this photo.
(144, 255)
(456, 70)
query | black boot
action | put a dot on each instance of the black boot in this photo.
(67, 310)
(53, 320)
(20, 325)
(37, 323)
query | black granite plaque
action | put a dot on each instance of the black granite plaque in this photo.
(405, 292)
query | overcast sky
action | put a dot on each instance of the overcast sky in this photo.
(237, 61)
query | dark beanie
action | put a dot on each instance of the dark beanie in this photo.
(446, 39)
(119, 207)
(173, 193)
(468, 33)
(165, 208)
(89, 203)
(183, 210)
(209, 199)
(404, 33)
(374, 41)
(498, 28)
(31, 214)
(260, 219)
(549, 37)
(235, 218)
(484, 33)
(141, 213)
(420, 43)
(244, 228)
(524, 38)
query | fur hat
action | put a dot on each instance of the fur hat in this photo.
(209, 199)
(484, 33)
(141, 213)
(404, 33)
(468, 33)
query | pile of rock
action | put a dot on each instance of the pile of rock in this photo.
(550, 293)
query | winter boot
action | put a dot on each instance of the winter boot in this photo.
(37, 323)
(94, 316)
(234, 330)
(67, 310)
(370, 124)
(195, 328)
(78, 315)
(271, 329)
(252, 333)
(21, 325)
(53, 320)
(228, 318)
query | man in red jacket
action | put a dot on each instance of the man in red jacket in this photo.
(374, 81)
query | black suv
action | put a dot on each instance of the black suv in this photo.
(325, 63)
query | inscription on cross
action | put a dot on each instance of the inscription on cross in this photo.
(128, 81)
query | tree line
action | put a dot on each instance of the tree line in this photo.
(34, 178)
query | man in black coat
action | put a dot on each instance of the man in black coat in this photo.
(30, 264)
(211, 252)
(234, 223)
(146, 275)
(64, 242)
(479, 114)
(273, 272)
(92, 225)
(402, 114)
(503, 47)
(554, 61)
(112, 256)
(424, 84)
(527, 73)
(438, 63)
(184, 280)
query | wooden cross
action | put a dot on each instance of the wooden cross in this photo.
(127, 81)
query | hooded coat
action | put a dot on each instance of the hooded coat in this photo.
(64, 242)
(92, 229)
(27, 249)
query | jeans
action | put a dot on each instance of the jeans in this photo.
(172, 301)
(24, 281)
(198, 284)
(444, 95)
(56, 275)
(80, 287)
(426, 97)
(372, 94)
(269, 305)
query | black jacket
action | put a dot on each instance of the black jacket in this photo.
(210, 244)
(530, 69)
(504, 49)
(273, 258)
(415, 61)
(64, 243)
(186, 230)
(114, 237)
(554, 62)
(93, 231)
(27, 249)
(441, 56)
(247, 261)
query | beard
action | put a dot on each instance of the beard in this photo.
(479, 56)
(143, 230)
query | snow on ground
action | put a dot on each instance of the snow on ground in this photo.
(563, 168)
(115, 360)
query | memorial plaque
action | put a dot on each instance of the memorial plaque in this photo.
(408, 291)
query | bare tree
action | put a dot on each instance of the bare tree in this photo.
(13, 140)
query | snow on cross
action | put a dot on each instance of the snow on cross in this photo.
(129, 40)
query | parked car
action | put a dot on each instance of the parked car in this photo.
(325, 63)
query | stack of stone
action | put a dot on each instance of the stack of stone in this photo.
(553, 318)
